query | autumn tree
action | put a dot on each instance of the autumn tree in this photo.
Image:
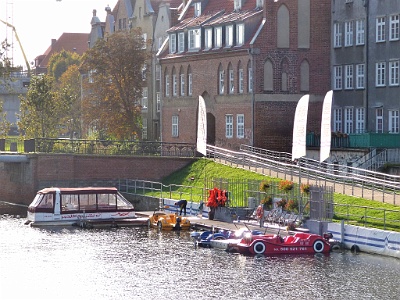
(60, 62)
(115, 77)
(39, 109)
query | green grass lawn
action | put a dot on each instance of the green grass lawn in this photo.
(356, 211)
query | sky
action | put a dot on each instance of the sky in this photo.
(37, 22)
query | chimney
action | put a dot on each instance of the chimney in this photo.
(53, 42)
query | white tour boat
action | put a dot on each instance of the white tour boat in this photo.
(85, 207)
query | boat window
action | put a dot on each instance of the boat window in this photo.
(106, 201)
(47, 201)
(37, 200)
(87, 201)
(69, 202)
(122, 203)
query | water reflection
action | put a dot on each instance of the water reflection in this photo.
(137, 263)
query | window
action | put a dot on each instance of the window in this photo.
(144, 72)
(221, 76)
(208, 38)
(229, 36)
(237, 4)
(194, 39)
(145, 94)
(360, 120)
(379, 120)
(239, 34)
(240, 126)
(158, 96)
(393, 121)
(348, 77)
(231, 81)
(190, 88)
(167, 85)
(260, 3)
(337, 119)
(348, 120)
(181, 42)
(241, 81)
(380, 29)
(182, 81)
(360, 32)
(174, 85)
(218, 37)
(360, 73)
(380, 74)
(158, 72)
(144, 129)
(337, 35)
(337, 77)
(175, 126)
(394, 73)
(172, 43)
(197, 9)
(229, 126)
(394, 28)
(348, 40)
(144, 37)
(250, 79)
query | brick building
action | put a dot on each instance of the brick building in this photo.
(251, 60)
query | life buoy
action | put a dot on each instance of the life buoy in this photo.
(260, 212)
(318, 246)
(355, 249)
(259, 248)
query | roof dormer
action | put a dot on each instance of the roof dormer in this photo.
(237, 5)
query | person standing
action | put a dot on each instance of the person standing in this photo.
(182, 206)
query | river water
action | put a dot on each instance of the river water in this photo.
(142, 263)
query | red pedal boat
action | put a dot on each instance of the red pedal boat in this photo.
(299, 243)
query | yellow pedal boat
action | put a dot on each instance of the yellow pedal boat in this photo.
(169, 221)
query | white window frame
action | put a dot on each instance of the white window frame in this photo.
(260, 3)
(229, 36)
(208, 38)
(182, 84)
(197, 9)
(231, 81)
(337, 35)
(360, 75)
(218, 37)
(360, 32)
(348, 27)
(221, 81)
(241, 81)
(172, 42)
(337, 120)
(380, 29)
(144, 128)
(379, 120)
(380, 74)
(174, 85)
(239, 34)
(250, 79)
(240, 126)
(145, 98)
(158, 99)
(144, 37)
(337, 77)
(394, 73)
(237, 5)
(167, 85)
(394, 121)
(394, 33)
(181, 42)
(175, 126)
(229, 126)
(348, 120)
(194, 39)
(360, 120)
(349, 75)
(190, 84)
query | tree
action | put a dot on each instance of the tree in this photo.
(40, 111)
(115, 77)
(60, 62)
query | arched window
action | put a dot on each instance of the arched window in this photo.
(285, 75)
(304, 76)
(249, 77)
(190, 81)
(174, 83)
(283, 27)
(182, 82)
(221, 80)
(166, 83)
(240, 78)
(231, 79)
(268, 76)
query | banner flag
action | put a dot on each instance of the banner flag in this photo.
(299, 128)
(326, 134)
(202, 127)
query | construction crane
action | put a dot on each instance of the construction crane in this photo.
(20, 45)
